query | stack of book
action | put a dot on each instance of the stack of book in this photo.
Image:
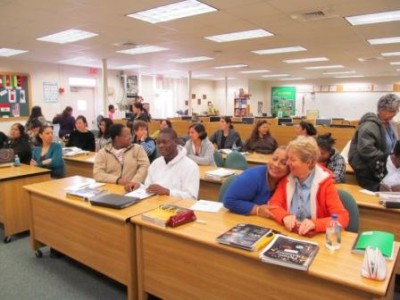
(219, 174)
(169, 215)
(72, 151)
(84, 193)
(389, 199)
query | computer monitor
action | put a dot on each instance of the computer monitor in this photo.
(248, 120)
(128, 115)
(186, 118)
(323, 122)
(284, 121)
(215, 118)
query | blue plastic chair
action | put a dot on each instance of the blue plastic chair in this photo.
(219, 160)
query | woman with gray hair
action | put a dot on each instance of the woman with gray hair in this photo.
(373, 141)
(305, 200)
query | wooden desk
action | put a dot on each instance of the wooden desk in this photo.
(187, 263)
(209, 189)
(81, 165)
(373, 216)
(98, 237)
(14, 212)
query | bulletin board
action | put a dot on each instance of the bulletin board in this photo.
(14, 94)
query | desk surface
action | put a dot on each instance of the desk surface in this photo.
(20, 171)
(340, 267)
(55, 189)
(84, 158)
(204, 169)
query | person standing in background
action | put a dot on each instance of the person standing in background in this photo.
(66, 121)
(36, 114)
(111, 112)
(373, 141)
(140, 113)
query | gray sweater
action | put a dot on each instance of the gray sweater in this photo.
(206, 156)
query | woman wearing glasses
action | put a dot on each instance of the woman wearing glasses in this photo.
(305, 200)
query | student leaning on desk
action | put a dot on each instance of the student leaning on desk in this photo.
(305, 200)
(121, 161)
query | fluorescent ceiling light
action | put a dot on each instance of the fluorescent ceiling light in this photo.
(338, 73)
(67, 36)
(388, 16)
(390, 54)
(275, 75)
(191, 59)
(231, 66)
(80, 61)
(242, 35)
(350, 76)
(324, 67)
(126, 67)
(382, 41)
(279, 50)
(255, 71)
(223, 78)
(174, 11)
(142, 50)
(201, 75)
(305, 60)
(395, 63)
(10, 52)
(294, 78)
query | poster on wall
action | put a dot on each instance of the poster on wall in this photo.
(131, 86)
(50, 92)
(14, 94)
(283, 101)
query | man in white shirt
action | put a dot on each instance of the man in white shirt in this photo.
(391, 182)
(173, 173)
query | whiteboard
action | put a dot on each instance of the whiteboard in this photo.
(348, 105)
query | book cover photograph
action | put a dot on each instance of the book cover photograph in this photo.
(169, 215)
(246, 236)
(290, 252)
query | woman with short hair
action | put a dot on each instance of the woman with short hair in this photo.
(306, 199)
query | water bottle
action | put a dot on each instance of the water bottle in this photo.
(17, 161)
(333, 234)
(235, 147)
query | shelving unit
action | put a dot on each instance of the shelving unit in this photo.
(242, 106)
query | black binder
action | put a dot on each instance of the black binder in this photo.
(114, 200)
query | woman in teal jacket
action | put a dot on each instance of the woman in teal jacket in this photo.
(48, 154)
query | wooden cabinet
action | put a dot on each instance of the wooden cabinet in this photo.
(242, 106)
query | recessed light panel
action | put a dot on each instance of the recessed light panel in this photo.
(255, 71)
(174, 11)
(10, 52)
(191, 59)
(305, 60)
(67, 36)
(324, 67)
(383, 17)
(142, 50)
(275, 75)
(279, 50)
(127, 67)
(390, 54)
(231, 67)
(237, 36)
(383, 41)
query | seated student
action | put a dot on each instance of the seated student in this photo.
(305, 200)
(391, 182)
(198, 147)
(19, 142)
(140, 113)
(48, 154)
(163, 124)
(330, 158)
(305, 128)
(82, 137)
(140, 131)
(260, 139)
(226, 137)
(251, 190)
(121, 161)
(3, 140)
(33, 132)
(173, 173)
(104, 133)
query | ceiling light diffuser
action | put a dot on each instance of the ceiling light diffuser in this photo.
(237, 36)
(305, 60)
(231, 66)
(390, 54)
(173, 11)
(10, 52)
(383, 17)
(142, 50)
(383, 41)
(324, 67)
(279, 50)
(191, 59)
(255, 71)
(67, 36)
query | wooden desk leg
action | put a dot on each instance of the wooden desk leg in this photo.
(132, 284)
(139, 265)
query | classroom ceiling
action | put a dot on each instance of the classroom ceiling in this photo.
(324, 33)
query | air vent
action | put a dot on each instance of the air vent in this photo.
(314, 15)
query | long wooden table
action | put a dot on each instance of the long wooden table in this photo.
(187, 263)
(81, 164)
(14, 212)
(373, 216)
(98, 237)
(209, 188)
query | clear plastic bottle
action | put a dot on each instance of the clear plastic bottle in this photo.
(17, 161)
(333, 234)
(235, 147)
